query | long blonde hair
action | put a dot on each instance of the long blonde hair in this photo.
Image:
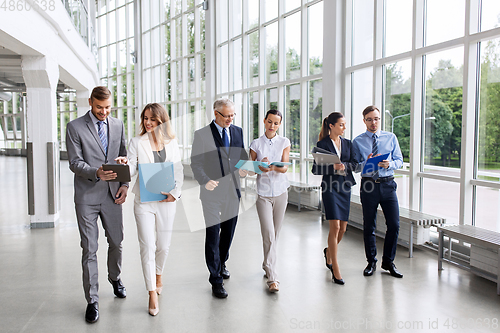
(164, 130)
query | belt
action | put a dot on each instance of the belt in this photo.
(378, 180)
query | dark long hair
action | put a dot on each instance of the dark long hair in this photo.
(331, 119)
(275, 112)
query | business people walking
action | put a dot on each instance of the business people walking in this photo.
(155, 144)
(217, 148)
(94, 139)
(336, 187)
(272, 190)
(378, 187)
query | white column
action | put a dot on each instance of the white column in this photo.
(41, 75)
(333, 57)
(82, 102)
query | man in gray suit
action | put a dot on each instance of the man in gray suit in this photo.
(92, 140)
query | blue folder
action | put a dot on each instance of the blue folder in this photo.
(371, 164)
(155, 178)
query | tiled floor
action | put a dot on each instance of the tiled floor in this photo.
(41, 291)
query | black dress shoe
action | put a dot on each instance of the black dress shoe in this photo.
(225, 273)
(219, 291)
(118, 288)
(329, 266)
(337, 281)
(92, 313)
(392, 269)
(370, 268)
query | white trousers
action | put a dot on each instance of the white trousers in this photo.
(271, 211)
(154, 230)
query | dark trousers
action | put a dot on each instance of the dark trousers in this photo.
(372, 194)
(220, 219)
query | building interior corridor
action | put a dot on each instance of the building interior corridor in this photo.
(42, 289)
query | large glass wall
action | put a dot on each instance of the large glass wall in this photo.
(436, 79)
(275, 52)
(117, 56)
(173, 63)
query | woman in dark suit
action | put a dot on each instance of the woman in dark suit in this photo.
(336, 188)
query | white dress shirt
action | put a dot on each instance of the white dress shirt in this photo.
(272, 183)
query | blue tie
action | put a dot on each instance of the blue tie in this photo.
(375, 152)
(102, 135)
(225, 139)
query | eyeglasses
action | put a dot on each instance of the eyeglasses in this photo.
(228, 116)
(372, 120)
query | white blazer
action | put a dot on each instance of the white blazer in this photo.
(140, 151)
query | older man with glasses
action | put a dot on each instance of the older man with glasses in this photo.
(217, 148)
(378, 187)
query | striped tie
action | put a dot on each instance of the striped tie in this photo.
(102, 135)
(375, 152)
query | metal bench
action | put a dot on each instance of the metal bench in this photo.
(475, 236)
(303, 194)
(414, 226)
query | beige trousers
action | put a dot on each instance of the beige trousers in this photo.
(271, 212)
(154, 229)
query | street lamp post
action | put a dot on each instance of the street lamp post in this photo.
(403, 115)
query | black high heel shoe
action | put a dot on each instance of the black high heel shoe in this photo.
(329, 266)
(337, 281)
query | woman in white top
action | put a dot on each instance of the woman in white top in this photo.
(155, 219)
(272, 190)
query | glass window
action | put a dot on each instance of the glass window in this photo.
(362, 89)
(398, 26)
(488, 157)
(487, 208)
(102, 30)
(253, 61)
(291, 4)
(362, 27)
(439, 27)
(315, 38)
(237, 65)
(292, 46)
(441, 198)
(178, 79)
(315, 111)
(167, 41)
(178, 6)
(270, 10)
(271, 33)
(112, 27)
(253, 115)
(202, 29)
(292, 116)
(166, 7)
(222, 24)
(190, 32)
(398, 103)
(271, 99)
(236, 17)
(122, 24)
(253, 13)
(442, 122)
(223, 69)
(490, 14)
(178, 37)
(192, 77)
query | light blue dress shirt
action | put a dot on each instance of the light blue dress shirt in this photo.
(387, 143)
(219, 128)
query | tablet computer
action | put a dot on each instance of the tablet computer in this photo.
(122, 172)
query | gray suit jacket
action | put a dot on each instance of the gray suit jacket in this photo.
(86, 155)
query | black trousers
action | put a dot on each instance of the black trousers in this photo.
(221, 217)
(372, 194)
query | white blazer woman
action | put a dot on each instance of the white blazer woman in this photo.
(155, 219)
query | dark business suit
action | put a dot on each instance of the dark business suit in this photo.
(95, 198)
(336, 189)
(211, 161)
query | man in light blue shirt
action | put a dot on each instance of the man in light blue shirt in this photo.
(378, 187)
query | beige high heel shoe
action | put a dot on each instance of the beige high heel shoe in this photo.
(153, 311)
